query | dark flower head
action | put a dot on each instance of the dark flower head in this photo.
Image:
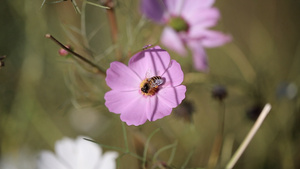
(219, 92)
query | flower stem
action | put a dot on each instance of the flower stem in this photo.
(187, 159)
(96, 67)
(112, 20)
(125, 137)
(146, 147)
(217, 147)
(113, 26)
(249, 137)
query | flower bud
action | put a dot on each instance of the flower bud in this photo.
(219, 92)
(63, 52)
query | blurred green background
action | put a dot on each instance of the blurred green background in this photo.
(45, 96)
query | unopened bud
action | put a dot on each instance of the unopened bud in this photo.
(64, 52)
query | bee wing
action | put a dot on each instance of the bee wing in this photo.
(159, 82)
(148, 74)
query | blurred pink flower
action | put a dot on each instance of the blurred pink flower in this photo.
(149, 88)
(186, 25)
(77, 154)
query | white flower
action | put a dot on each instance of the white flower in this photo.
(77, 154)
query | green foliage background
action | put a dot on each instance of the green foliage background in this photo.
(44, 96)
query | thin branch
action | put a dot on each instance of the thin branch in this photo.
(96, 67)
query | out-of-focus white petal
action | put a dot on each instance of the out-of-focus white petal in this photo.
(48, 160)
(108, 160)
(77, 154)
(65, 150)
(88, 153)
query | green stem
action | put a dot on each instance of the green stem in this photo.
(125, 137)
(146, 147)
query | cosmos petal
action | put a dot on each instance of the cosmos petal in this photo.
(167, 98)
(199, 55)
(151, 62)
(65, 150)
(108, 160)
(135, 112)
(157, 109)
(116, 101)
(48, 160)
(131, 105)
(88, 153)
(195, 5)
(173, 6)
(153, 9)
(214, 39)
(120, 77)
(173, 75)
(79, 153)
(172, 96)
(202, 19)
(171, 39)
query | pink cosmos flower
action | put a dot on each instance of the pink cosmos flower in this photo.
(186, 25)
(149, 88)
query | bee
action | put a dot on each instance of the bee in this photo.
(150, 85)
